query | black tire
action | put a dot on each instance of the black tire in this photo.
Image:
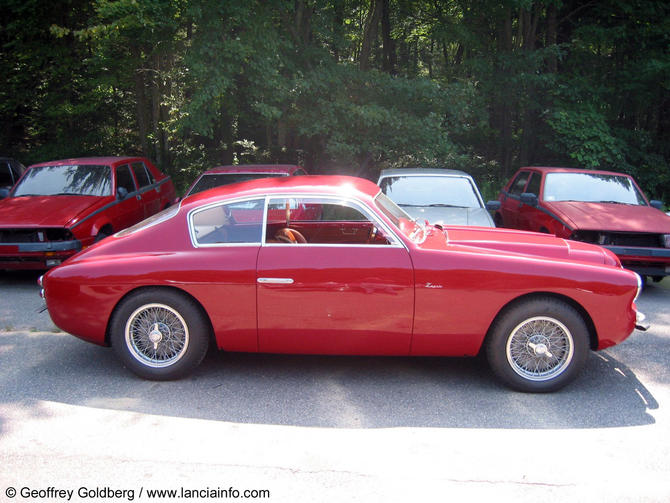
(538, 345)
(102, 234)
(159, 334)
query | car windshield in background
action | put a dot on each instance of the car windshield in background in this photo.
(435, 191)
(81, 180)
(591, 188)
(213, 180)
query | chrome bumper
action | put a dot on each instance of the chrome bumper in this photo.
(641, 322)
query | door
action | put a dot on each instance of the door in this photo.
(151, 198)
(326, 292)
(530, 218)
(129, 209)
(511, 204)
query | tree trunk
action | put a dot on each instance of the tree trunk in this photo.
(370, 33)
(388, 42)
(141, 111)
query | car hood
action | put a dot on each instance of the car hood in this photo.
(450, 216)
(611, 217)
(46, 211)
(532, 244)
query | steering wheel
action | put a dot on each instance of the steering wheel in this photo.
(287, 235)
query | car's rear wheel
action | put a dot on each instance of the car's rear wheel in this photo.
(159, 334)
(538, 345)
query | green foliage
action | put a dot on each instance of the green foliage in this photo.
(584, 135)
(481, 85)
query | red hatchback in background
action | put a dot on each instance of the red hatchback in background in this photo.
(225, 175)
(58, 208)
(600, 207)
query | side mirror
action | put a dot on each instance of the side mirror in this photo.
(493, 205)
(121, 193)
(529, 198)
(654, 204)
(4, 193)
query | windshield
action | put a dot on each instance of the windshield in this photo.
(591, 188)
(445, 191)
(76, 180)
(391, 209)
(209, 181)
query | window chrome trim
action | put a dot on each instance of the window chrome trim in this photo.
(396, 242)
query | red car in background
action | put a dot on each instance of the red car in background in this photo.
(599, 207)
(58, 208)
(330, 265)
(225, 175)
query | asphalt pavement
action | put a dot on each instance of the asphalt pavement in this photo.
(308, 428)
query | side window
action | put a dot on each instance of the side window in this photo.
(519, 183)
(321, 221)
(124, 179)
(534, 184)
(232, 223)
(6, 179)
(141, 174)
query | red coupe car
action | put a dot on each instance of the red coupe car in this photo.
(58, 208)
(599, 207)
(330, 265)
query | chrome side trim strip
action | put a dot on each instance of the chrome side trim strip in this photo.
(275, 281)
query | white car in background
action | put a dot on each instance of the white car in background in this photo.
(441, 196)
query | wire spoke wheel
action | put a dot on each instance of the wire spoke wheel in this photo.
(156, 335)
(540, 348)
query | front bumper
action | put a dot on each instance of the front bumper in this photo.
(644, 261)
(37, 255)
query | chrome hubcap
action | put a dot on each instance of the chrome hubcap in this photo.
(156, 335)
(540, 348)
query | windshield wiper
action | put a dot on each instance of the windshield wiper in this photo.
(611, 202)
(442, 205)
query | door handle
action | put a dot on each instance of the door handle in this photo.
(275, 281)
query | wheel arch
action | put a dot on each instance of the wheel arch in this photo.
(593, 335)
(159, 288)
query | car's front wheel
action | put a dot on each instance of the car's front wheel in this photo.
(159, 334)
(538, 345)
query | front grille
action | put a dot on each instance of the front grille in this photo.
(619, 238)
(34, 235)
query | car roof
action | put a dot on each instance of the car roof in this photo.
(254, 168)
(336, 185)
(555, 169)
(422, 171)
(108, 160)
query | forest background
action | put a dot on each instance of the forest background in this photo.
(342, 86)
